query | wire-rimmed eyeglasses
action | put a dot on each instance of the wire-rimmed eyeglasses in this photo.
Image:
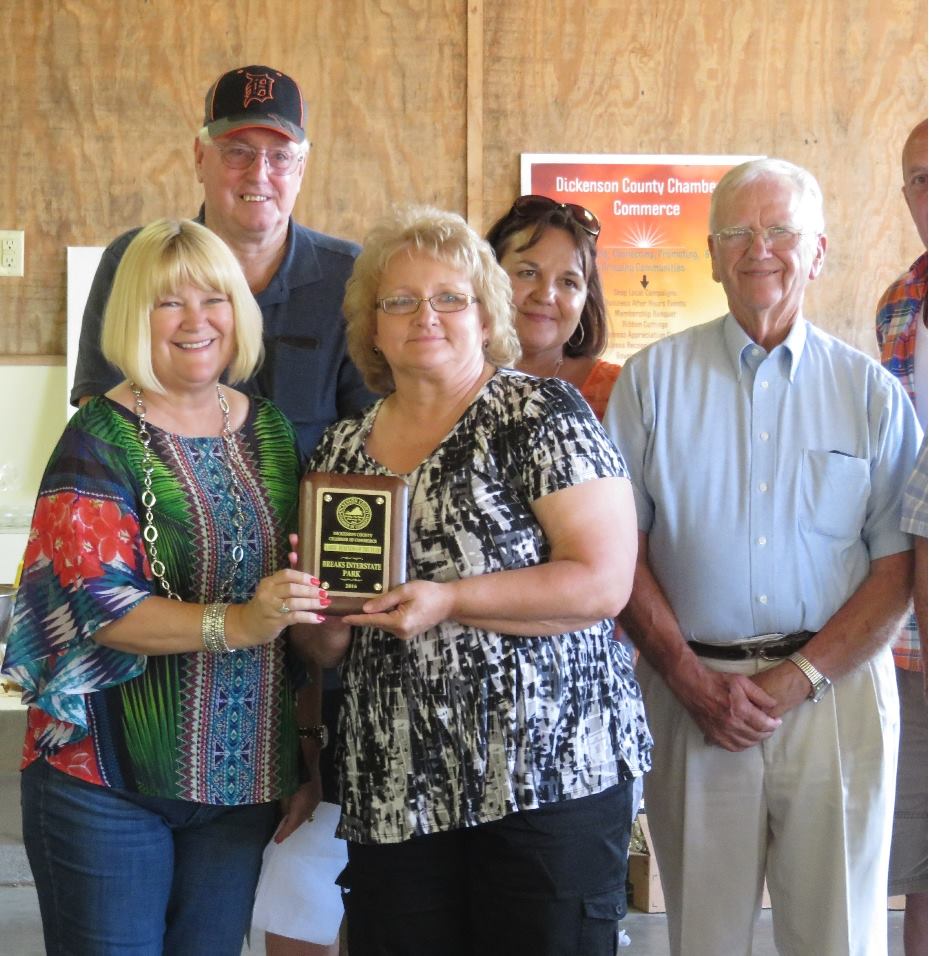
(440, 302)
(280, 159)
(776, 238)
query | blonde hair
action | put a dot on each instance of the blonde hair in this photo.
(161, 258)
(446, 237)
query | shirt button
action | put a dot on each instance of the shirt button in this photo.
(764, 384)
(762, 541)
(764, 436)
(762, 486)
(762, 598)
(756, 350)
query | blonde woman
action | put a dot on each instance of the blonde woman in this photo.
(148, 632)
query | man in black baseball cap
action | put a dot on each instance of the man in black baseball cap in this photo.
(255, 97)
(250, 155)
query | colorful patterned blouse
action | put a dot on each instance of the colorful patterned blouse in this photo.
(215, 729)
(460, 726)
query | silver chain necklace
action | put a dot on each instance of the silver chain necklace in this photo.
(150, 532)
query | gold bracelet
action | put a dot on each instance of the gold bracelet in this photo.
(213, 628)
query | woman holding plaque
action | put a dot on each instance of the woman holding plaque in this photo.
(549, 251)
(491, 728)
(148, 628)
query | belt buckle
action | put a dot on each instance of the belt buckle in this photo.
(761, 649)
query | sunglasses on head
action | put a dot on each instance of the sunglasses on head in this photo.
(533, 205)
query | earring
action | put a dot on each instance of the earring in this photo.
(579, 342)
(375, 350)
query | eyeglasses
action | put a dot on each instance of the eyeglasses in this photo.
(280, 160)
(528, 206)
(777, 238)
(441, 302)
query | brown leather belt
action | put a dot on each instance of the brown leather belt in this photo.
(775, 649)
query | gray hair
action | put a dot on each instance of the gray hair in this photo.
(303, 147)
(802, 181)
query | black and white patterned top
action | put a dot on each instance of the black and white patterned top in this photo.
(460, 726)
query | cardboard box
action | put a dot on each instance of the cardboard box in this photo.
(643, 875)
(645, 879)
(647, 895)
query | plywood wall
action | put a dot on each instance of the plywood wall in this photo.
(434, 100)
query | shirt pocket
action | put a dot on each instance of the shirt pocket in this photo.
(835, 488)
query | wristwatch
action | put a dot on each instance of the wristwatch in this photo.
(820, 682)
(317, 732)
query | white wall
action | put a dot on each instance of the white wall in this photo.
(32, 416)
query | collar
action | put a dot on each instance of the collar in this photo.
(738, 345)
(300, 264)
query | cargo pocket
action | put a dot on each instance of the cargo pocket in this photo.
(601, 913)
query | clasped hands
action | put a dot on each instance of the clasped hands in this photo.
(738, 711)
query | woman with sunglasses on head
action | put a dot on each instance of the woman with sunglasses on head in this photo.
(492, 728)
(549, 251)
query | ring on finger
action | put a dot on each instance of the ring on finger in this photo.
(283, 609)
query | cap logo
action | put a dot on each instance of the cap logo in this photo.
(259, 88)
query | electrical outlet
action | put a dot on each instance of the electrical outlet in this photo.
(11, 252)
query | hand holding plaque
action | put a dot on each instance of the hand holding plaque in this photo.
(353, 535)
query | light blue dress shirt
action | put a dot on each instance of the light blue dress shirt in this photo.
(766, 482)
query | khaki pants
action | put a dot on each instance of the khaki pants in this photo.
(810, 809)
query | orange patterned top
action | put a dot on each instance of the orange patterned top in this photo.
(598, 385)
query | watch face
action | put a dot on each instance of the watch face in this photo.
(819, 690)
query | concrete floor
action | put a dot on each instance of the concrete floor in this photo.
(22, 930)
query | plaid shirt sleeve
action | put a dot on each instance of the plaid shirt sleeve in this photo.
(897, 315)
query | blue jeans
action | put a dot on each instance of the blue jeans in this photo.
(118, 872)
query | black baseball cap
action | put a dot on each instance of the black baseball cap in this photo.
(255, 97)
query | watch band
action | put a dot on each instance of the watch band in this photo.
(317, 732)
(820, 683)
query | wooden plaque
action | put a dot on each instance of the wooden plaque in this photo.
(353, 535)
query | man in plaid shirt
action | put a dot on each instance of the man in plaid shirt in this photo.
(901, 336)
(915, 521)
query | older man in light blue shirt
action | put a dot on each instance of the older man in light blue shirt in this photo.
(768, 461)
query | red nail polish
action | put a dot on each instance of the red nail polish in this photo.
(314, 582)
